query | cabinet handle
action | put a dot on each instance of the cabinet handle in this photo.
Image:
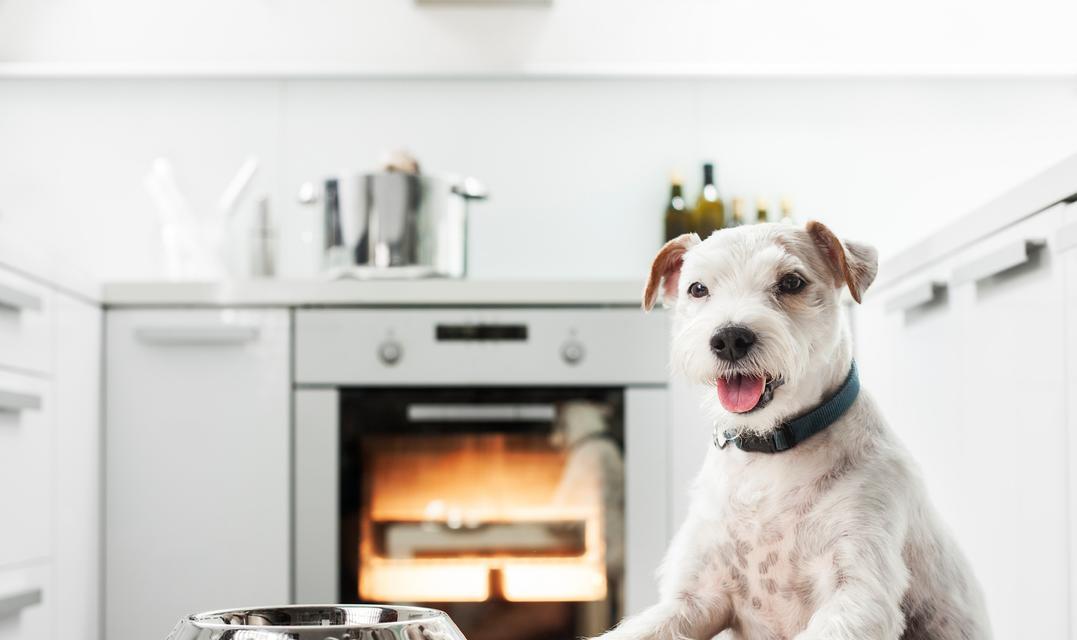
(197, 335)
(1007, 257)
(1066, 238)
(11, 604)
(917, 296)
(14, 402)
(481, 412)
(17, 300)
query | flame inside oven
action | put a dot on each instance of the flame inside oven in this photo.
(468, 518)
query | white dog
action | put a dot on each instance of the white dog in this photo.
(808, 520)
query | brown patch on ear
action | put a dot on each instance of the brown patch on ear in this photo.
(666, 270)
(852, 263)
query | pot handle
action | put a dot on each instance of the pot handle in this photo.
(471, 189)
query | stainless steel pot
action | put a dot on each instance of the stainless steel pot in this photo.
(392, 224)
(319, 622)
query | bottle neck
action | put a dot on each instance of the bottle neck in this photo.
(708, 174)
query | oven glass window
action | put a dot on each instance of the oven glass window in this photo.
(502, 506)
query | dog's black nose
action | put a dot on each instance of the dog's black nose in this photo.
(732, 343)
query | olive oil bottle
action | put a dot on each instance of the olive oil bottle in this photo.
(710, 210)
(738, 212)
(761, 214)
(787, 211)
(679, 219)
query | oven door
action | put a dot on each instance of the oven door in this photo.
(503, 506)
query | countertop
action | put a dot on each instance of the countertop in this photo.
(373, 293)
(1056, 184)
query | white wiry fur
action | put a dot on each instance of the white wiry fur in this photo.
(832, 540)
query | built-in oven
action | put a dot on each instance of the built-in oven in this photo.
(505, 465)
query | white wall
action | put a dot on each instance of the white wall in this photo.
(577, 168)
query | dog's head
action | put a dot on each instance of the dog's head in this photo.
(757, 313)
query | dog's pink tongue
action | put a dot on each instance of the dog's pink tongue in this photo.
(740, 393)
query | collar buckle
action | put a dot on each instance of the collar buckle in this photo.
(721, 439)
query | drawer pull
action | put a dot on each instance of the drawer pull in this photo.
(12, 401)
(481, 412)
(197, 335)
(17, 300)
(918, 296)
(1066, 238)
(11, 604)
(1008, 257)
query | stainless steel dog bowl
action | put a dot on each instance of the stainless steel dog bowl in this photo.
(319, 622)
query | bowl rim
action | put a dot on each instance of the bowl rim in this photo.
(427, 615)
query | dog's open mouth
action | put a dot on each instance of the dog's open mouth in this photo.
(740, 393)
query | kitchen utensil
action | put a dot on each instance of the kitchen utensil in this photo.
(394, 224)
(263, 249)
(226, 204)
(319, 622)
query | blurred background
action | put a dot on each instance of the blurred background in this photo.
(338, 301)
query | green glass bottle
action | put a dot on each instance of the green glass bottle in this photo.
(678, 217)
(761, 213)
(787, 211)
(737, 204)
(710, 210)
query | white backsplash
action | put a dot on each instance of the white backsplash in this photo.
(577, 169)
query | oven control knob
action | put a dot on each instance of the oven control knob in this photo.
(572, 352)
(390, 352)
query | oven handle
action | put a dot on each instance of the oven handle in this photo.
(481, 412)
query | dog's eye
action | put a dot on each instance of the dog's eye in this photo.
(698, 290)
(791, 283)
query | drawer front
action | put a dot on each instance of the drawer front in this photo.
(198, 415)
(26, 611)
(26, 465)
(25, 323)
(481, 346)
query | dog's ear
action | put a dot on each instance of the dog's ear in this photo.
(666, 270)
(853, 264)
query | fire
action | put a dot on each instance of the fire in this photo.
(473, 517)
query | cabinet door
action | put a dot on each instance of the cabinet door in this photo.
(77, 550)
(1066, 251)
(907, 347)
(197, 465)
(1011, 460)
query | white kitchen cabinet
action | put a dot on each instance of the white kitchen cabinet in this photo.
(78, 504)
(26, 468)
(967, 367)
(197, 467)
(28, 608)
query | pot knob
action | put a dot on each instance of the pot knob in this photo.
(390, 352)
(572, 352)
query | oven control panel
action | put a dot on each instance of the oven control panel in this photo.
(481, 346)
